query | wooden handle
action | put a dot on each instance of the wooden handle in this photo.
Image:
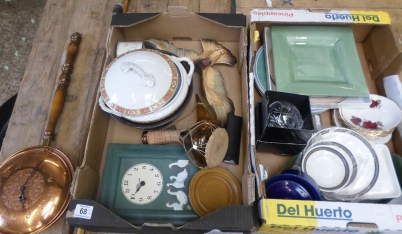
(160, 137)
(61, 91)
(125, 8)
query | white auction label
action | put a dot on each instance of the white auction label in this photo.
(83, 211)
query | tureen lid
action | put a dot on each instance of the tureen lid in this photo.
(139, 82)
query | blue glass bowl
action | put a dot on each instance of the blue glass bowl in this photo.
(294, 185)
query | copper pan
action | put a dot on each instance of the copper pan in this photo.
(35, 182)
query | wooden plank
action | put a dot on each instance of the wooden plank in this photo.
(151, 6)
(215, 6)
(74, 122)
(365, 4)
(37, 86)
(60, 20)
(192, 5)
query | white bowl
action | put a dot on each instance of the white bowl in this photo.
(328, 166)
(377, 120)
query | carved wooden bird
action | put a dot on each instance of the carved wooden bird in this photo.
(212, 80)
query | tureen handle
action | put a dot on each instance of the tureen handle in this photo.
(191, 71)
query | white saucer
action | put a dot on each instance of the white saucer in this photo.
(327, 166)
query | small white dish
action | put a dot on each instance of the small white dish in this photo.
(139, 82)
(348, 155)
(387, 185)
(327, 166)
(377, 120)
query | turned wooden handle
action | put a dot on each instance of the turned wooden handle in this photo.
(61, 91)
(160, 137)
(125, 8)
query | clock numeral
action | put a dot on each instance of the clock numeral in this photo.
(125, 182)
(158, 183)
(155, 191)
(2, 211)
(34, 163)
(149, 197)
(50, 179)
(132, 196)
(157, 175)
(135, 169)
(151, 169)
(144, 167)
(127, 191)
(6, 173)
(129, 174)
(140, 199)
(18, 165)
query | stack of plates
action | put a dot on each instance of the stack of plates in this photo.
(347, 167)
(317, 61)
(145, 88)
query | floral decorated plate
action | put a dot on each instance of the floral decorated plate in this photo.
(139, 82)
(378, 120)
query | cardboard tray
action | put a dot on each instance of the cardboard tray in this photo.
(185, 29)
(379, 53)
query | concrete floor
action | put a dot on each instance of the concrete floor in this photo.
(19, 20)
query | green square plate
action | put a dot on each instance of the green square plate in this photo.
(317, 61)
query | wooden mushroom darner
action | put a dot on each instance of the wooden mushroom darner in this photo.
(205, 143)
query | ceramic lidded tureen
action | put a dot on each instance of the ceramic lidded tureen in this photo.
(139, 82)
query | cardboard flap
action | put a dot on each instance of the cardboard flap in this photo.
(113, 221)
(82, 176)
(248, 182)
(239, 215)
(379, 57)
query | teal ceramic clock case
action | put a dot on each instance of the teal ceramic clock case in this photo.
(148, 184)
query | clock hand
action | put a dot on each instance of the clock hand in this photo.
(31, 174)
(22, 197)
(142, 183)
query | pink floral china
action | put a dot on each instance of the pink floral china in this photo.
(378, 120)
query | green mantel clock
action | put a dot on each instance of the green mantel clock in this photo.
(148, 183)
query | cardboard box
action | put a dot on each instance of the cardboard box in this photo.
(185, 30)
(379, 52)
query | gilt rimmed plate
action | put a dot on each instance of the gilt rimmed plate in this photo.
(139, 82)
(317, 61)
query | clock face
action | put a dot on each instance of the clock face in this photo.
(142, 183)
